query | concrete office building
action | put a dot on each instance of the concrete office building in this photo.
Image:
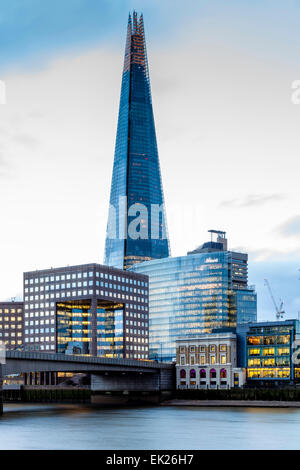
(11, 324)
(87, 309)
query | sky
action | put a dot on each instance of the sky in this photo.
(227, 127)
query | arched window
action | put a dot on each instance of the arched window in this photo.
(192, 374)
(223, 374)
(182, 374)
(213, 373)
(202, 374)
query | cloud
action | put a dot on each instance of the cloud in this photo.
(252, 200)
(290, 228)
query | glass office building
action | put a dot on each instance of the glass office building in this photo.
(136, 229)
(194, 294)
(246, 305)
(271, 352)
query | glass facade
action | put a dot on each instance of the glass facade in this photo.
(270, 348)
(74, 327)
(246, 305)
(110, 327)
(188, 296)
(136, 180)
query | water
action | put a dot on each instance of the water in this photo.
(81, 427)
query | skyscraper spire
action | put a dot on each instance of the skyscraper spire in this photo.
(137, 229)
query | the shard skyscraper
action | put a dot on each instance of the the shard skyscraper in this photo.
(137, 229)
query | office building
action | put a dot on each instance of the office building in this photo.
(270, 352)
(11, 324)
(191, 295)
(87, 309)
(137, 229)
(209, 362)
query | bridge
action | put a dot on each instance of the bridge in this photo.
(107, 375)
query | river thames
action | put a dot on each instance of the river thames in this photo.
(53, 426)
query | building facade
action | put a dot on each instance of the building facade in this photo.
(271, 352)
(87, 309)
(208, 362)
(137, 229)
(194, 294)
(11, 324)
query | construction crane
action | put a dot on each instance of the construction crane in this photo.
(279, 311)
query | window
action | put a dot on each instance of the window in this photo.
(283, 351)
(254, 352)
(254, 340)
(213, 373)
(223, 374)
(192, 374)
(202, 374)
(268, 351)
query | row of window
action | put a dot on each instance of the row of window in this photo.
(79, 275)
(10, 310)
(137, 315)
(137, 348)
(80, 284)
(130, 339)
(42, 347)
(268, 351)
(135, 332)
(12, 343)
(135, 323)
(10, 319)
(10, 334)
(80, 293)
(37, 331)
(47, 339)
(203, 360)
(268, 340)
(212, 348)
(281, 373)
(9, 326)
(202, 374)
(138, 356)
